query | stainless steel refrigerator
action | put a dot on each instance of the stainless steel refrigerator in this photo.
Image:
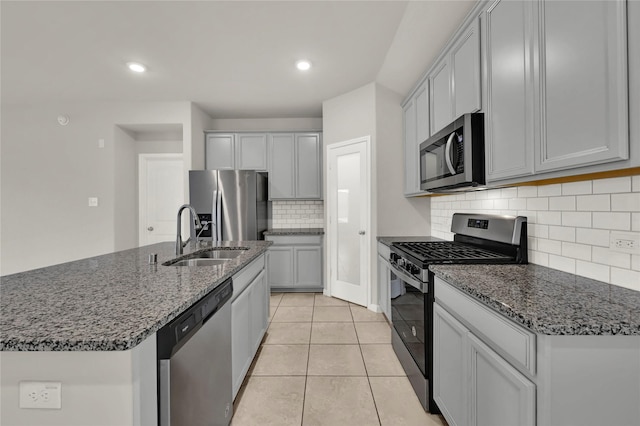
(233, 202)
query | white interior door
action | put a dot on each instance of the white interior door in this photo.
(161, 193)
(349, 209)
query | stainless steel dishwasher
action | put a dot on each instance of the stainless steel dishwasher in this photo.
(194, 363)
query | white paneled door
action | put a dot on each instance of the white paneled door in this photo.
(349, 207)
(161, 193)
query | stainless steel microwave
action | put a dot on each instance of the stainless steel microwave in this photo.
(453, 158)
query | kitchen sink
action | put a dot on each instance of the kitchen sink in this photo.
(210, 257)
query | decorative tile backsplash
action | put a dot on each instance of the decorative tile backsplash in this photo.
(297, 214)
(569, 224)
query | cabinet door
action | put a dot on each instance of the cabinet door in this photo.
(465, 63)
(259, 303)
(308, 166)
(280, 267)
(509, 121)
(308, 266)
(449, 375)
(440, 90)
(583, 83)
(281, 167)
(411, 155)
(251, 151)
(241, 348)
(499, 394)
(219, 152)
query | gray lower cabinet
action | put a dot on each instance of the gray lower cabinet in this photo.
(249, 318)
(294, 263)
(295, 168)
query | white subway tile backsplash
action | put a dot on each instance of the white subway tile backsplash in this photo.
(625, 278)
(562, 233)
(550, 190)
(576, 251)
(562, 203)
(592, 270)
(594, 237)
(629, 202)
(297, 214)
(550, 218)
(569, 224)
(562, 263)
(577, 219)
(527, 191)
(577, 188)
(593, 203)
(610, 220)
(606, 256)
(612, 185)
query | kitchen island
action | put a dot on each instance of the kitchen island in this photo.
(90, 324)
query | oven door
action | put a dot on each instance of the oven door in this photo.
(408, 314)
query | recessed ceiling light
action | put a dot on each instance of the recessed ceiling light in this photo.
(303, 65)
(136, 67)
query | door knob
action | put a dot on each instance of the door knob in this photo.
(150, 228)
(361, 232)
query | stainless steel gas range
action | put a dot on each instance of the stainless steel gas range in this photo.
(478, 239)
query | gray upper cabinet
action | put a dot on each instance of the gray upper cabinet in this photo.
(220, 151)
(295, 169)
(557, 87)
(251, 151)
(465, 67)
(582, 83)
(509, 101)
(236, 151)
(440, 95)
(416, 130)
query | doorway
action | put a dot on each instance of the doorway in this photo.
(160, 194)
(349, 220)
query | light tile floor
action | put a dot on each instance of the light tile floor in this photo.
(327, 362)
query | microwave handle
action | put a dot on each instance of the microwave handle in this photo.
(447, 154)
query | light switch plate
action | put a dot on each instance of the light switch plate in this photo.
(93, 201)
(42, 395)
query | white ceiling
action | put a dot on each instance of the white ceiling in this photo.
(235, 59)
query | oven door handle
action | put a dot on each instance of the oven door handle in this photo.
(407, 278)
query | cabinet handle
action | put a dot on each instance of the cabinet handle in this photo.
(361, 232)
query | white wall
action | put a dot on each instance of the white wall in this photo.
(397, 215)
(48, 171)
(266, 124)
(569, 223)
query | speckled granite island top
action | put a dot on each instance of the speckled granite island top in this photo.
(106, 303)
(548, 301)
(295, 231)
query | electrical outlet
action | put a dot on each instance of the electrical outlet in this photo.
(625, 242)
(41, 395)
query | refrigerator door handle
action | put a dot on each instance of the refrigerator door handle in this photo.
(216, 229)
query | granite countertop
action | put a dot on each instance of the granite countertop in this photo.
(295, 231)
(387, 241)
(107, 303)
(548, 301)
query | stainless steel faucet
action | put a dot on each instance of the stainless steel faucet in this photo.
(194, 224)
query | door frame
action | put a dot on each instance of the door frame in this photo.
(332, 222)
(143, 160)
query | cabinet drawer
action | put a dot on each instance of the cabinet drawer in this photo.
(242, 279)
(294, 240)
(505, 337)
